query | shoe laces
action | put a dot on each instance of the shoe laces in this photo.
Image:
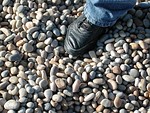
(85, 24)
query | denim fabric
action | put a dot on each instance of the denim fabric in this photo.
(105, 13)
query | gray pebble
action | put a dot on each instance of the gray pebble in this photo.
(15, 57)
(146, 23)
(129, 22)
(11, 111)
(63, 29)
(129, 106)
(20, 9)
(30, 104)
(134, 72)
(92, 75)
(4, 73)
(122, 111)
(11, 105)
(47, 106)
(56, 32)
(43, 83)
(5, 2)
(109, 47)
(48, 93)
(57, 98)
(148, 71)
(22, 92)
(28, 47)
(68, 93)
(128, 78)
(89, 97)
(106, 103)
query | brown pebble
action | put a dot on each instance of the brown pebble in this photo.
(134, 46)
(110, 76)
(76, 85)
(117, 102)
(112, 84)
(99, 108)
(116, 70)
(60, 83)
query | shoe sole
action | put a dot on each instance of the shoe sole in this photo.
(80, 51)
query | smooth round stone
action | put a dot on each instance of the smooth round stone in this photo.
(20, 9)
(28, 47)
(48, 41)
(126, 47)
(112, 84)
(116, 70)
(54, 43)
(56, 32)
(138, 22)
(29, 110)
(6, 2)
(146, 22)
(99, 81)
(60, 83)
(122, 34)
(69, 71)
(63, 29)
(11, 105)
(92, 75)
(48, 93)
(119, 79)
(43, 83)
(89, 97)
(117, 102)
(47, 106)
(106, 103)
(84, 76)
(1, 63)
(22, 92)
(143, 45)
(138, 13)
(148, 71)
(68, 93)
(110, 76)
(134, 72)
(129, 106)
(109, 47)
(86, 90)
(57, 98)
(4, 73)
(9, 38)
(13, 70)
(129, 22)
(30, 104)
(118, 26)
(13, 79)
(15, 57)
(76, 85)
(29, 89)
(122, 111)
(35, 35)
(53, 86)
(128, 78)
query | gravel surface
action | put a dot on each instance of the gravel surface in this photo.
(38, 76)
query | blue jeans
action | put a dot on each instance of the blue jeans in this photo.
(105, 13)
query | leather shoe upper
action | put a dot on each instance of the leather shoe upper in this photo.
(81, 36)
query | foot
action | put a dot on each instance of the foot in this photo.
(82, 36)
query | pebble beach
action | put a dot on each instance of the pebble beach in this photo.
(38, 76)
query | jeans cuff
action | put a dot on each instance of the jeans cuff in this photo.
(97, 22)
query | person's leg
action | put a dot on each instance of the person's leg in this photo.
(105, 13)
(83, 33)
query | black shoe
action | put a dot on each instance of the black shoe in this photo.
(82, 36)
